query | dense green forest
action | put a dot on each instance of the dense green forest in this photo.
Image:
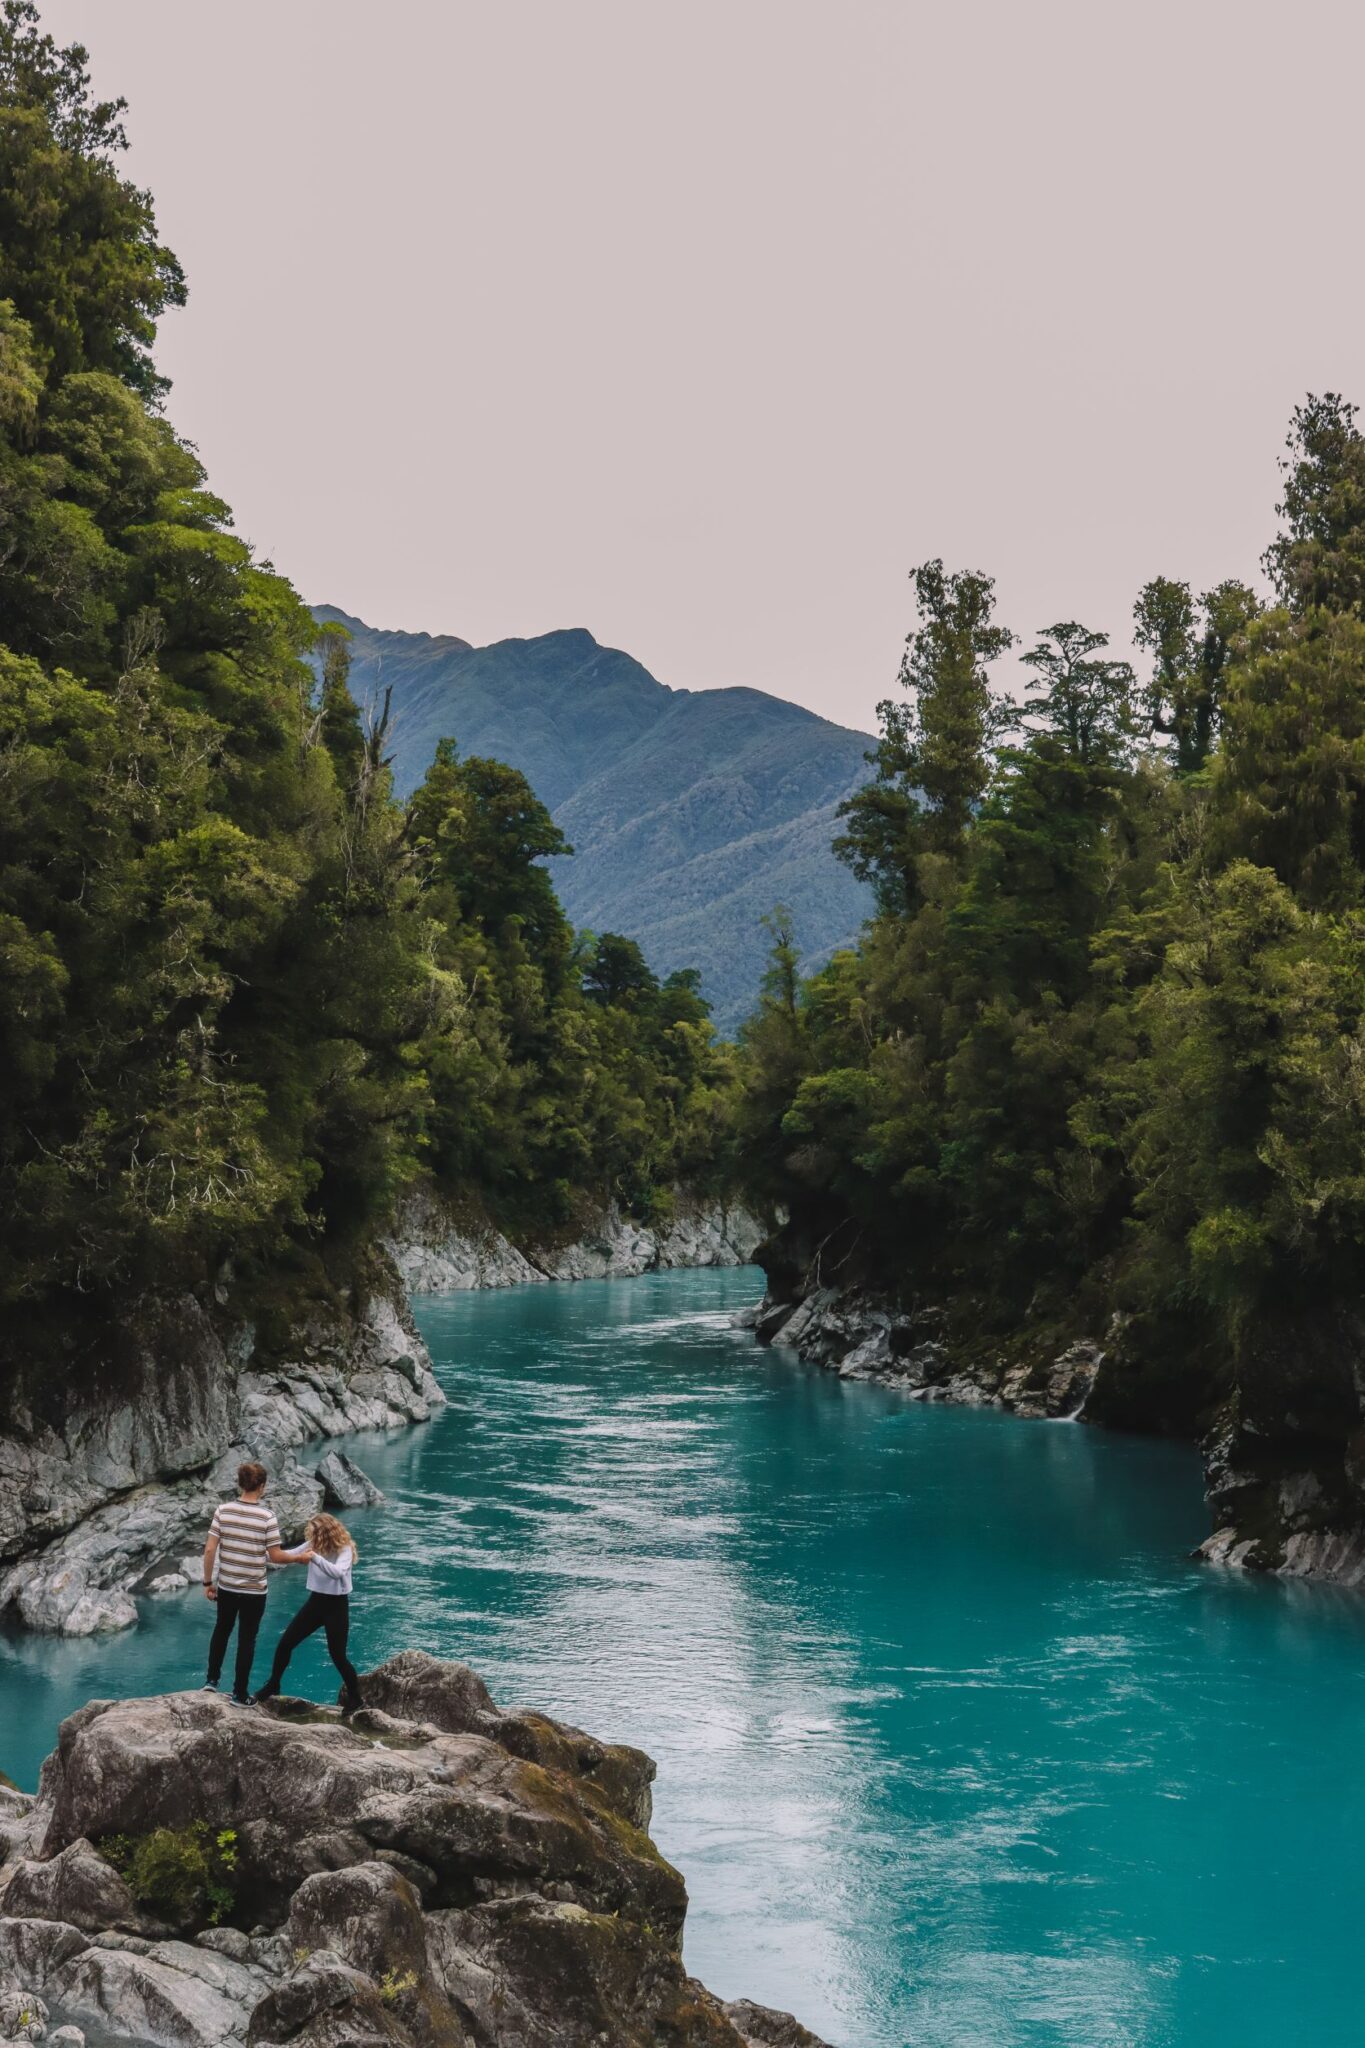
(1100, 1053)
(245, 994)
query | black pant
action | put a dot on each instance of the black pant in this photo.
(247, 1610)
(330, 1611)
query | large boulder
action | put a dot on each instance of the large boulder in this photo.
(172, 1992)
(79, 1887)
(435, 1874)
(416, 1687)
(760, 2026)
(546, 1973)
(325, 2003)
(23, 2016)
(344, 1485)
(120, 1987)
(312, 1796)
(372, 1918)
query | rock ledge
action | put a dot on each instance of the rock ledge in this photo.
(434, 1874)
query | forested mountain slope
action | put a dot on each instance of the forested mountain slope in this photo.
(691, 813)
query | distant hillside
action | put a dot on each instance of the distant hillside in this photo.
(691, 812)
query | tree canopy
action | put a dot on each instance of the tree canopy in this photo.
(1100, 1050)
(245, 995)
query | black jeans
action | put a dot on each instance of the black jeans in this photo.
(247, 1611)
(330, 1611)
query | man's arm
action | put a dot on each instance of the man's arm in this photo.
(210, 1553)
(278, 1555)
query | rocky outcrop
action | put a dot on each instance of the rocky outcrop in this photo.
(1285, 1500)
(862, 1337)
(1284, 1453)
(437, 1253)
(434, 1874)
(111, 1502)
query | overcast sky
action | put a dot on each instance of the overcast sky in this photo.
(698, 323)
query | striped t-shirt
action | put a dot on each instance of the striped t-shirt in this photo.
(246, 1530)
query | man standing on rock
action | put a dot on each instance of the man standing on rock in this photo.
(243, 1536)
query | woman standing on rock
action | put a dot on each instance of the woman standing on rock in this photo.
(329, 1551)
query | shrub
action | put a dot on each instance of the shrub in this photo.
(396, 1984)
(186, 1875)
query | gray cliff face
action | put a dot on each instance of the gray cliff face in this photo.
(436, 1254)
(435, 1874)
(113, 1502)
(1286, 1482)
(861, 1337)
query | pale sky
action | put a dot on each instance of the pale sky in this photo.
(698, 324)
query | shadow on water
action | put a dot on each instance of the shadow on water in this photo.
(956, 1745)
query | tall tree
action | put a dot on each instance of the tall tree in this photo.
(1317, 561)
(932, 763)
(82, 262)
(1191, 646)
(1087, 704)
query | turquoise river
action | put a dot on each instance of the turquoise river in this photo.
(956, 1746)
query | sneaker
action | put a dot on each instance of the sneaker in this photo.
(209, 1685)
(233, 1701)
(267, 1692)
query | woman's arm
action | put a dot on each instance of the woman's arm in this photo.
(334, 1567)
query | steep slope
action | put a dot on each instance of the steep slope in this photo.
(691, 813)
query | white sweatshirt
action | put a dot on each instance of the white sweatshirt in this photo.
(327, 1574)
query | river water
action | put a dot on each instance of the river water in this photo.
(956, 1747)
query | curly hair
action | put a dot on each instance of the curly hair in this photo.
(328, 1536)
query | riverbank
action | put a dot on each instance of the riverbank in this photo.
(104, 1501)
(1283, 1497)
(437, 1252)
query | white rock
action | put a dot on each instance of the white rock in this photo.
(23, 2016)
(436, 1255)
(174, 1996)
(344, 1485)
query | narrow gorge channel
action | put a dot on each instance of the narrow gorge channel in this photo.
(955, 1743)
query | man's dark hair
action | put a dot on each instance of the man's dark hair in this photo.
(251, 1477)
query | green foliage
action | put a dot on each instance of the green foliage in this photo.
(933, 760)
(395, 1985)
(1110, 1051)
(82, 263)
(245, 994)
(1086, 704)
(1317, 561)
(187, 1876)
(1191, 646)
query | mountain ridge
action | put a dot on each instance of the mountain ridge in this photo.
(691, 812)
